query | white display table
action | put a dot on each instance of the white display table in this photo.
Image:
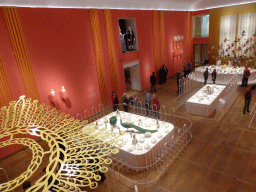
(144, 153)
(223, 75)
(204, 104)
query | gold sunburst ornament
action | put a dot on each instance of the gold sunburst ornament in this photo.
(78, 150)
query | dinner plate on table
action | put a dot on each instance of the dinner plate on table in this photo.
(139, 148)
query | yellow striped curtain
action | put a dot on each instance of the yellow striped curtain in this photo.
(21, 52)
(189, 37)
(162, 37)
(155, 34)
(111, 50)
(5, 89)
(98, 55)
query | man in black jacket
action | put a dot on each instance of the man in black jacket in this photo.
(206, 73)
(153, 82)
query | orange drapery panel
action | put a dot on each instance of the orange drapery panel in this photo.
(189, 36)
(162, 36)
(155, 34)
(98, 55)
(5, 89)
(111, 50)
(21, 52)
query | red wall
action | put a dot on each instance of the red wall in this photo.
(175, 24)
(10, 64)
(61, 48)
(62, 53)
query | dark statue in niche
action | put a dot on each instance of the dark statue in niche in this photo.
(127, 35)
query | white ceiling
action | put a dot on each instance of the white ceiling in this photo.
(178, 5)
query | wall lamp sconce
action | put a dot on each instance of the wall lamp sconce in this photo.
(63, 94)
(178, 42)
(63, 89)
(53, 92)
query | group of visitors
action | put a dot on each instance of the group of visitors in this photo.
(246, 76)
(163, 72)
(206, 74)
(155, 104)
(187, 68)
(126, 100)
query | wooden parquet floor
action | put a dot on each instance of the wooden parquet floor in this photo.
(221, 157)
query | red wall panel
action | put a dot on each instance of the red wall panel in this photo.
(144, 25)
(8, 57)
(62, 54)
(175, 24)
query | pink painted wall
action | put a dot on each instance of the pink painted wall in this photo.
(175, 24)
(10, 64)
(61, 48)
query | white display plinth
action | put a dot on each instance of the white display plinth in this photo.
(204, 104)
(139, 156)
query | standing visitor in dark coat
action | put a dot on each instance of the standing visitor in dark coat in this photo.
(214, 76)
(246, 76)
(126, 103)
(147, 102)
(185, 69)
(206, 73)
(161, 78)
(153, 82)
(165, 73)
(115, 101)
(247, 99)
(179, 81)
(189, 67)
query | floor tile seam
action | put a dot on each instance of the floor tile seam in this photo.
(116, 180)
(245, 129)
(153, 184)
(217, 171)
(233, 147)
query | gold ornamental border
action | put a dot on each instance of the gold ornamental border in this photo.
(78, 150)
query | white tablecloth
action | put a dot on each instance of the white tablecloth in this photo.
(223, 75)
(208, 104)
(139, 159)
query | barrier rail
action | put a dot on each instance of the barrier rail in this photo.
(220, 105)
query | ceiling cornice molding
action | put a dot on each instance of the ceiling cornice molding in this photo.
(165, 5)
